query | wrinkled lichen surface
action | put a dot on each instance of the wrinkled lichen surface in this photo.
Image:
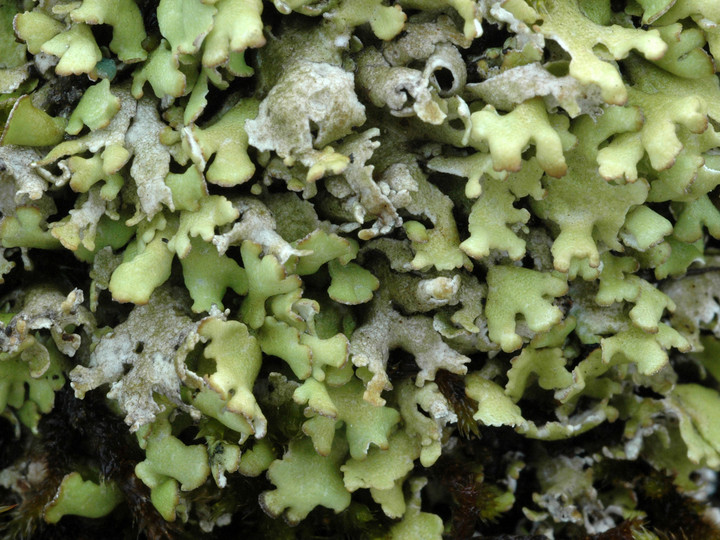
(356, 268)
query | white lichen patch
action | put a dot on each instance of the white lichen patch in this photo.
(140, 358)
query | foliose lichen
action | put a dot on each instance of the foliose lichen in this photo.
(323, 268)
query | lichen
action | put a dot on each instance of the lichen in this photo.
(308, 259)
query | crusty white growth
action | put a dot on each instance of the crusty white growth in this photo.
(5, 264)
(568, 494)
(697, 298)
(362, 196)
(258, 225)
(493, 11)
(438, 291)
(446, 57)
(84, 221)
(397, 185)
(151, 158)
(45, 307)
(514, 86)
(308, 95)
(148, 345)
(419, 40)
(12, 78)
(403, 90)
(16, 163)
(372, 343)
